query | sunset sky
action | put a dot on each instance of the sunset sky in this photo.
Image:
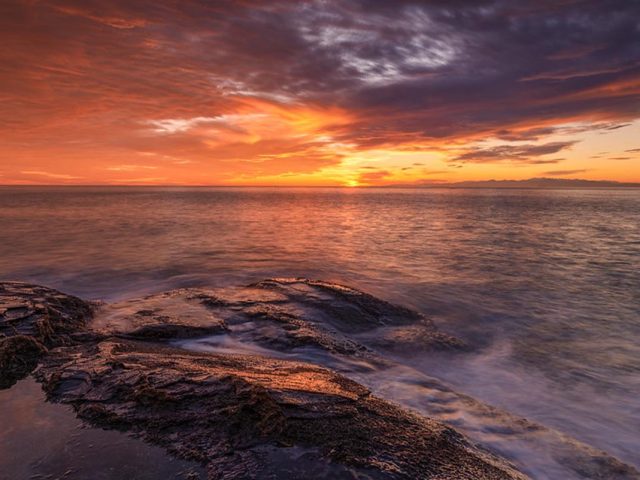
(349, 92)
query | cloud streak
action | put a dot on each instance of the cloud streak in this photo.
(563, 173)
(528, 153)
(56, 176)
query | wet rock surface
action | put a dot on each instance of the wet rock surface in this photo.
(281, 314)
(242, 414)
(218, 409)
(33, 319)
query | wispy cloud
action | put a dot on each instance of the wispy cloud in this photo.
(130, 168)
(59, 176)
(528, 153)
(563, 173)
(142, 180)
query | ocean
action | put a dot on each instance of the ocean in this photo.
(543, 285)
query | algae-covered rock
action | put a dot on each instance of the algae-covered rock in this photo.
(223, 410)
(32, 319)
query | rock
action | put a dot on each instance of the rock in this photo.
(243, 416)
(281, 314)
(32, 319)
(168, 315)
(359, 314)
(221, 410)
(19, 356)
(40, 312)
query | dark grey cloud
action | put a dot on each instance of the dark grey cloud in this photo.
(520, 63)
(407, 70)
(530, 134)
(527, 153)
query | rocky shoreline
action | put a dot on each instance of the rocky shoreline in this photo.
(238, 413)
(228, 411)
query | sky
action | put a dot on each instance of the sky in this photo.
(326, 92)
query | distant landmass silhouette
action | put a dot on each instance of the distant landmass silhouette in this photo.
(530, 183)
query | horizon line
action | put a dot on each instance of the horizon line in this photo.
(451, 186)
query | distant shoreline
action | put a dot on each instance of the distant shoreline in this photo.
(341, 187)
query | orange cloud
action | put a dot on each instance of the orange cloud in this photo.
(372, 178)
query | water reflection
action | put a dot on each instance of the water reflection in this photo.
(40, 440)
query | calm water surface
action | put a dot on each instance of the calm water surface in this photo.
(545, 284)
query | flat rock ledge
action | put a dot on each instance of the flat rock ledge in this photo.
(240, 415)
